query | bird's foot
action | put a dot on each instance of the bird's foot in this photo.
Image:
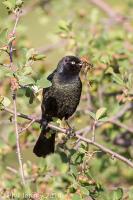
(70, 132)
(43, 123)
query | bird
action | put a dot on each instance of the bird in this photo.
(59, 100)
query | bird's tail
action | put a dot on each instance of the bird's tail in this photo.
(44, 145)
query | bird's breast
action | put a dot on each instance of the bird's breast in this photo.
(61, 99)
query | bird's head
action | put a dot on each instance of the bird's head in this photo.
(70, 65)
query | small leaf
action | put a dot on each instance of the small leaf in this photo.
(105, 59)
(63, 168)
(19, 3)
(92, 114)
(100, 112)
(84, 191)
(39, 57)
(43, 83)
(103, 119)
(109, 71)
(6, 71)
(4, 101)
(30, 53)
(25, 80)
(117, 79)
(74, 170)
(63, 25)
(53, 161)
(118, 194)
(9, 4)
(27, 70)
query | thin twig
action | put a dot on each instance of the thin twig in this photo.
(24, 129)
(18, 143)
(16, 21)
(93, 130)
(118, 123)
(14, 89)
(12, 169)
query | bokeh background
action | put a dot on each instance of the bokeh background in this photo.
(102, 31)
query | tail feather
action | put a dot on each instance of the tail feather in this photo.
(44, 146)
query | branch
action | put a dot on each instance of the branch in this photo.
(14, 87)
(17, 141)
(77, 134)
(106, 150)
(118, 123)
(122, 111)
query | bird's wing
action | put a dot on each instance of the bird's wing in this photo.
(50, 77)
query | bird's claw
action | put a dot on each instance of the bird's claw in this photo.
(70, 132)
(43, 123)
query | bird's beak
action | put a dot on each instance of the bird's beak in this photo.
(80, 64)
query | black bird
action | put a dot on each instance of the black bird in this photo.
(60, 100)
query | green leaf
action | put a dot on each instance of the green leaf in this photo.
(63, 25)
(39, 57)
(74, 170)
(109, 71)
(4, 101)
(77, 158)
(3, 36)
(92, 114)
(9, 4)
(82, 150)
(103, 119)
(118, 194)
(105, 59)
(6, 71)
(25, 80)
(53, 160)
(100, 112)
(19, 3)
(84, 191)
(30, 53)
(117, 78)
(43, 83)
(27, 70)
(63, 168)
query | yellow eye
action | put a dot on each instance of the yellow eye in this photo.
(73, 62)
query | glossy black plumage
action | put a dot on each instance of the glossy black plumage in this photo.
(59, 100)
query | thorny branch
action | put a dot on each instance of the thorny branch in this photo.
(79, 136)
